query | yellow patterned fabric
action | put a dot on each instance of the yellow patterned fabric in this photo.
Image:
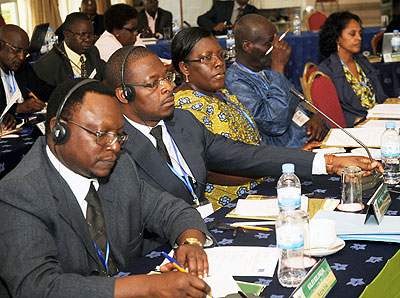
(225, 119)
(361, 87)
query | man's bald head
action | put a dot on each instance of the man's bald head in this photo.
(14, 47)
(252, 27)
(89, 8)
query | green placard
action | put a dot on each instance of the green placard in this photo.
(378, 204)
(318, 282)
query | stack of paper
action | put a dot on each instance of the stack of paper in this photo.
(337, 138)
(391, 111)
(351, 226)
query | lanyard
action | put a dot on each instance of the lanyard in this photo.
(185, 177)
(12, 88)
(103, 261)
(364, 83)
(253, 73)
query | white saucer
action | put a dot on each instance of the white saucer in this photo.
(321, 252)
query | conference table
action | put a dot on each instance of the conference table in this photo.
(389, 76)
(305, 49)
(355, 266)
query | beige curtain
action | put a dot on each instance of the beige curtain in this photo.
(102, 5)
(45, 11)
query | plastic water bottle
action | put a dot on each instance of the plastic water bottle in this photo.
(390, 152)
(296, 25)
(289, 189)
(50, 39)
(290, 242)
(395, 41)
(175, 27)
(230, 44)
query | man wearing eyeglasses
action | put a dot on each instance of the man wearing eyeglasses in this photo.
(153, 19)
(75, 57)
(71, 214)
(20, 84)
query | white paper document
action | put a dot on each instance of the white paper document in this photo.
(222, 285)
(242, 260)
(377, 123)
(370, 136)
(385, 111)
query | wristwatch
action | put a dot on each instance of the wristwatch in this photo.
(192, 241)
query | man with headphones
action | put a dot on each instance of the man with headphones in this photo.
(71, 215)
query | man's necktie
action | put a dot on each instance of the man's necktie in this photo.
(156, 132)
(97, 229)
(83, 67)
(240, 13)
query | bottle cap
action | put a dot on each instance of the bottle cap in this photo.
(288, 168)
(390, 124)
(229, 31)
(395, 31)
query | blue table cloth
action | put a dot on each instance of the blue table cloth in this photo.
(355, 266)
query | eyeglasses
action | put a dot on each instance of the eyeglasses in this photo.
(83, 35)
(16, 50)
(131, 30)
(170, 77)
(105, 139)
(209, 59)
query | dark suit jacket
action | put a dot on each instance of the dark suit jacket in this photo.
(204, 150)
(46, 249)
(164, 19)
(27, 78)
(349, 101)
(55, 68)
(221, 11)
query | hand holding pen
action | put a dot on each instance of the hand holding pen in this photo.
(280, 39)
(280, 54)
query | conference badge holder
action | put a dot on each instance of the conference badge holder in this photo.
(378, 204)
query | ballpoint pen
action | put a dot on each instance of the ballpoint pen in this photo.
(251, 227)
(280, 38)
(177, 265)
(32, 94)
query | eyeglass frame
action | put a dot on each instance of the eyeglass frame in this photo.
(131, 30)
(82, 35)
(16, 50)
(201, 60)
(159, 81)
(121, 138)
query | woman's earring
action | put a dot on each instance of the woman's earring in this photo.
(338, 47)
(186, 78)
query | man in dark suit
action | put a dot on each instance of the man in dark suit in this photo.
(191, 147)
(18, 79)
(89, 8)
(224, 14)
(71, 214)
(75, 57)
(152, 19)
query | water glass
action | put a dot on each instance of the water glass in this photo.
(167, 33)
(351, 190)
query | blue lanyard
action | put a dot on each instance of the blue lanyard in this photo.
(103, 261)
(364, 79)
(253, 73)
(12, 88)
(185, 178)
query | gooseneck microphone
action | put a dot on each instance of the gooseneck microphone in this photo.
(368, 182)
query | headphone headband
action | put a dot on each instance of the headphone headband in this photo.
(129, 91)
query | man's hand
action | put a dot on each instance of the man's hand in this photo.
(367, 167)
(311, 146)
(315, 129)
(30, 105)
(9, 122)
(280, 54)
(220, 27)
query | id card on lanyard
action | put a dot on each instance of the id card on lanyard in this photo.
(299, 117)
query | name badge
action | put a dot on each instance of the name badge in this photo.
(378, 204)
(205, 210)
(299, 117)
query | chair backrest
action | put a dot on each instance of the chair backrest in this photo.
(309, 68)
(38, 36)
(315, 20)
(375, 40)
(324, 96)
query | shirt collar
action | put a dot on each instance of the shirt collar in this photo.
(144, 129)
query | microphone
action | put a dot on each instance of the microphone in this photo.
(368, 182)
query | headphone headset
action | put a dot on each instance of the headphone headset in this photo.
(61, 131)
(128, 90)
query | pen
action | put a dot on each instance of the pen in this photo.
(176, 264)
(251, 228)
(32, 94)
(280, 38)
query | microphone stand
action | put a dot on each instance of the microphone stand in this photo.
(368, 182)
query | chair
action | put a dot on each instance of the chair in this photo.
(309, 68)
(37, 39)
(324, 96)
(375, 40)
(315, 20)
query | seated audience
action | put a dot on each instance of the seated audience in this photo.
(20, 84)
(121, 24)
(153, 19)
(72, 216)
(224, 14)
(259, 82)
(355, 79)
(75, 57)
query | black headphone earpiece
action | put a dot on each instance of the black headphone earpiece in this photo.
(61, 131)
(128, 90)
